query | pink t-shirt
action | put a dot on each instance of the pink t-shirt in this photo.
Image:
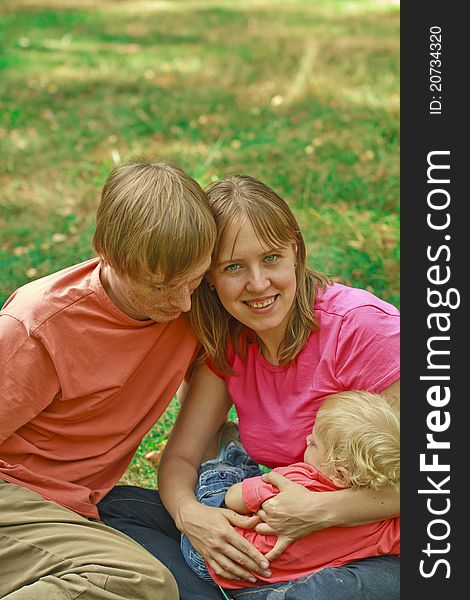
(357, 346)
(332, 547)
(81, 384)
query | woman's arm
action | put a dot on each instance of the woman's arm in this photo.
(209, 529)
(295, 511)
(393, 389)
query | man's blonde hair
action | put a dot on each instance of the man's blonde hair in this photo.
(153, 217)
(234, 201)
(360, 432)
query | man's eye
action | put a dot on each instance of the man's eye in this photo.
(163, 288)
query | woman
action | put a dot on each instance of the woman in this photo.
(278, 337)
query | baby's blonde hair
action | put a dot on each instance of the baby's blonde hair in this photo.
(360, 432)
(153, 217)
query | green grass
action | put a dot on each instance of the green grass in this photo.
(141, 471)
(303, 95)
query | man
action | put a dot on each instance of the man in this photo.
(90, 357)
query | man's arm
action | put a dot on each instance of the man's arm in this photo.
(28, 380)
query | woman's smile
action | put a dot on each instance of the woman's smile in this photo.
(261, 303)
(256, 283)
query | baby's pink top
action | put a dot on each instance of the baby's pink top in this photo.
(332, 547)
(357, 346)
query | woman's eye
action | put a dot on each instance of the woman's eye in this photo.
(232, 268)
(270, 258)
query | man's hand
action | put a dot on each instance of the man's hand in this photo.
(210, 531)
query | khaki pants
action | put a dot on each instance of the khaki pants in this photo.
(48, 552)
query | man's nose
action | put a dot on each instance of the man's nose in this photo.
(182, 300)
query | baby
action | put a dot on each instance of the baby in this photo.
(355, 442)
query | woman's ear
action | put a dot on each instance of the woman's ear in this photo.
(294, 249)
(210, 281)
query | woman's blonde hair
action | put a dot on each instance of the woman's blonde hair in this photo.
(360, 432)
(234, 201)
(153, 217)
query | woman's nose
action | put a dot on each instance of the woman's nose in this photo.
(257, 280)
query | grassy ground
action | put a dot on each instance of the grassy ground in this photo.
(301, 94)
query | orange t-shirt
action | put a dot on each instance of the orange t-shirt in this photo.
(81, 383)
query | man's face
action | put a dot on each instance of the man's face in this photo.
(149, 298)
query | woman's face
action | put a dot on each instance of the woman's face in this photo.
(255, 283)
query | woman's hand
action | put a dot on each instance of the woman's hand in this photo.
(295, 511)
(210, 531)
(288, 515)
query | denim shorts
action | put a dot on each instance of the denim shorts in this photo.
(374, 578)
(214, 479)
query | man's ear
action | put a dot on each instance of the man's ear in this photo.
(340, 477)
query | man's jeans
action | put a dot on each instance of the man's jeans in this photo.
(140, 514)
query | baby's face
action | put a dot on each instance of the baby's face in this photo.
(315, 452)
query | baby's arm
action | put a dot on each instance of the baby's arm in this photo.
(234, 499)
(247, 497)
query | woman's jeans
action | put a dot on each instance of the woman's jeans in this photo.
(141, 515)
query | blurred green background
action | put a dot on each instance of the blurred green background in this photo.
(303, 95)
